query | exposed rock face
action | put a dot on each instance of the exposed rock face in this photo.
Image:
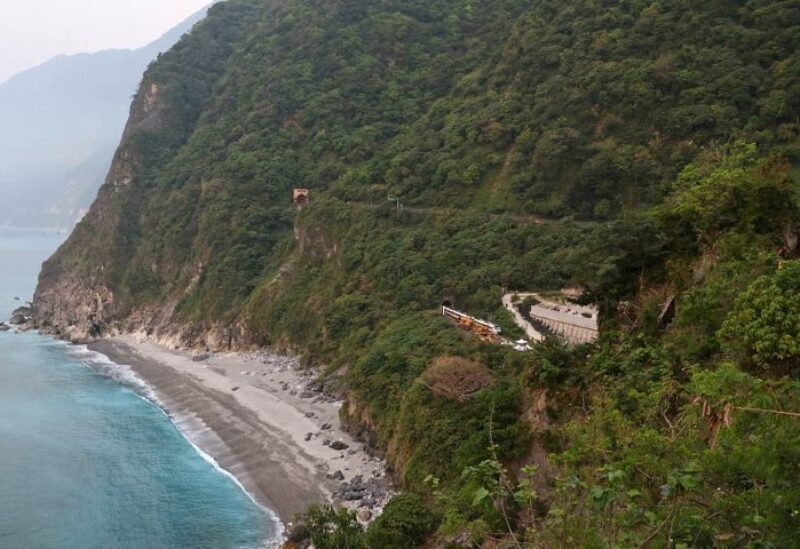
(73, 299)
(76, 311)
(72, 310)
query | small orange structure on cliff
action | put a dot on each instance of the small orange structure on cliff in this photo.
(301, 198)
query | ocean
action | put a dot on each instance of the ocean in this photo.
(87, 459)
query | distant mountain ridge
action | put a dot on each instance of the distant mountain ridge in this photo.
(60, 123)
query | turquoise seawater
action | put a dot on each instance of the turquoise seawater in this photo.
(86, 459)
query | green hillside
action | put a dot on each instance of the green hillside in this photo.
(640, 150)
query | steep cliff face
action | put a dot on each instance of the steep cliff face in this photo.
(84, 290)
(78, 302)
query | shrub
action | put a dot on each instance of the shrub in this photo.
(456, 378)
(764, 325)
(331, 528)
(405, 523)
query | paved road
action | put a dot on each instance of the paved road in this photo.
(522, 218)
(520, 320)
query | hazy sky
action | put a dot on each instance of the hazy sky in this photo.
(33, 31)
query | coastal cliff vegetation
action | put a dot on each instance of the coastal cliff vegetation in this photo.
(645, 151)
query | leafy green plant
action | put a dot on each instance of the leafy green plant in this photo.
(764, 326)
(332, 528)
(406, 522)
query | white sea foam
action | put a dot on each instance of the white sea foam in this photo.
(118, 372)
(124, 374)
(278, 526)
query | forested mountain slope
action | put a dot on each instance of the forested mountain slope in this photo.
(669, 129)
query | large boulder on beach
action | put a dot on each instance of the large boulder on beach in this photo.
(339, 445)
(352, 495)
(369, 503)
(338, 475)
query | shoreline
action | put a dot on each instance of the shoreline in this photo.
(280, 529)
(262, 421)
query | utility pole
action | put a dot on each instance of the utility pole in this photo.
(398, 204)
